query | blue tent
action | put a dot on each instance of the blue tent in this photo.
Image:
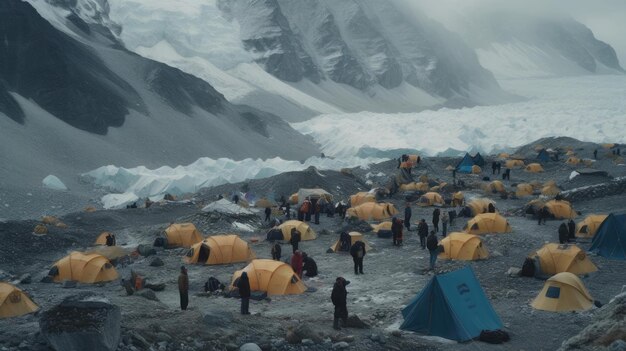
(479, 160)
(452, 306)
(543, 156)
(610, 239)
(465, 166)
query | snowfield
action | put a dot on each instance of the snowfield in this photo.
(589, 108)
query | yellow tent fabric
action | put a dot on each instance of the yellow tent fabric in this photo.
(476, 169)
(514, 164)
(561, 209)
(311, 194)
(49, 220)
(110, 252)
(182, 235)
(90, 209)
(458, 198)
(589, 226)
(293, 199)
(386, 226)
(430, 199)
(220, 249)
(413, 159)
(524, 190)
(306, 233)
(563, 292)
(495, 186)
(556, 258)
(264, 203)
(487, 223)
(372, 211)
(40, 229)
(414, 187)
(423, 178)
(570, 153)
(361, 198)
(450, 168)
(354, 237)
(550, 190)
(407, 164)
(272, 277)
(534, 168)
(14, 302)
(573, 161)
(479, 206)
(503, 155)
(463, 246)
(608, 145)
(85, 268)
(102, 238)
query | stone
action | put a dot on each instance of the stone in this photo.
(397, 333)
(292, 337)
(306, 331)
(512, 293)
(355, 322)
(222, 319)
(514, 272)
(496, 253)
(340, 345)
(308, 342)
(250, 347)
(146, 250)
(278, 343)
(156, 262)
(147, 294)
(618, 345)
(82, 322)
(69, 284)
(26, 278)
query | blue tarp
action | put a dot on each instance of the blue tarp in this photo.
(543, 156)
(610, 239)
(452, 306)
(479, 160)
(465, 166)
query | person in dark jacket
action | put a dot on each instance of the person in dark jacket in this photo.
(236, 199)
(433, 248)
(243, 284)
(110, 240)
(310, 266)
(498, 167)
(491, 208)
(345, 242)
(183, 288)
(542, 215)
(422, 231)
(563, 234)
(407, 216)
(297, 262)
(595, 154)
(317, 209)
(339, 297)
(436, 214)
(268, 214)
(358, 252)
(396, 231)
(494, 167)
(571, 227)
(276, 252)
(295, 240)
(288, 210)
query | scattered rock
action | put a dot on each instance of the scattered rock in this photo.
(513, 272)
(69, 284)
(340, 345)
(222, 319)
(397, 333)
(618, 345)
(26, 278)
(308, 342)
(146, 250)
(292, 337)
(355, 322)
(82, 322)
(157, 262)
(278, 343)
(147, 294)
(512, 293)
(496, 253)
(250, 347)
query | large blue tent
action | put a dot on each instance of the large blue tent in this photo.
(543, 156)
(465, 166)
(452, 306)
(479, 160)
(610, 239)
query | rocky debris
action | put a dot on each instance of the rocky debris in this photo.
(514, 272)
(340, 345)
(356, 225)
(606, 330)
(512, 293)
(355, 322)
(250, 347)
(222, 319)
(82, 322)
(613, 187)
(146, 250)
(147, 294)
(156, 262)
(69, 284)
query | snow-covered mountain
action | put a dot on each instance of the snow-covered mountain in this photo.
(72, 98)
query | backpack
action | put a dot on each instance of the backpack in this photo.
(212, 285)
(528, 268)
(431, 242)
(494, 336)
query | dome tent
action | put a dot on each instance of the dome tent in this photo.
(430, 199)
(564, 292)
(182, 235)
(362, 197)
(83, 268)
(589, 226)
(556, 258)
(284, 231)
(14, 302)
(560, 209)
(354, 237)
(463, 246)
(487, 223)
(372, 211)
(610, 239)
(271, 277)
(220, 249)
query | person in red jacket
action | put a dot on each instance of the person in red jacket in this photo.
(297, 262)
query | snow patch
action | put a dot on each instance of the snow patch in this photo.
(243, 227)
(226, 207)
(54, 183)
(111, 201)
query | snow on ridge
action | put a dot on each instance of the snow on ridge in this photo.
(54, 183)
(129, 184)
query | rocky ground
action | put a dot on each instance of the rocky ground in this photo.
(392, 275)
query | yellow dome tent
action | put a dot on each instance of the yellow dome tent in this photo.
(450, 168)
(293, 198)
(524, 190)
(272, 277)
(561, 209)
(372, 211)
(220, 249)
(570, 153)
(102, 238)
(49, 220)
(110, 252)
(264, 203)
(534, 168)
(487, 223)
(414, 187)
(503, 155)
(354, 237)
(556, 258)
(573, 161)
(384, 226)
(564, 292)
(84, 268)
(479, 206)
(361, 198)
(182, 235)
(14, 302)
(550, 190)
(589, 226)
(476, 169)
(495, 186)
(306, 233)
(430, 199)
(413, 159)
(463, 246)
(514, 164)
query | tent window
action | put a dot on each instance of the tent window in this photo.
(553, 292)
(583, 229)
(475, 226)
(15, 297)
(294, 279)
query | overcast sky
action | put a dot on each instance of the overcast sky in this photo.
(606, 18)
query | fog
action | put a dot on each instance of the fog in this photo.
(606, 18)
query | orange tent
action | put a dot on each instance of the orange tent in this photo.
(487, 223)
(272, 277)
(182, 235)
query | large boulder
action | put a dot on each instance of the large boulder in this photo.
(82, 322)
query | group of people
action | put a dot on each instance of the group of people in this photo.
(567, 232)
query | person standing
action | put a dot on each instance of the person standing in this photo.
(433, 248)
(436, 214)
(309, 265)
(595, 154)
(183, 288)
(295, 240)
(243, 284)
(276, 252)
(268, 214)
(358, 252)
(297, 263)
(445, 218)
(407, 216)
(563, 234)
(542, 214)
(339, 297)
(422, 231)
(571, 228)
(288, 210)
(498, 166)
(318, 209)
(396, 231)
(494, 167)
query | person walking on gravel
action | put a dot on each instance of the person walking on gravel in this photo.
(436, 215)
(183, 288)
(433, 248)
(422, 231)
(243, 284)
(339, 297)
